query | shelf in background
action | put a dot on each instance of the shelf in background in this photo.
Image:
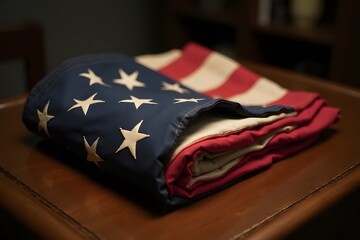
(262, 30)
(319, 35)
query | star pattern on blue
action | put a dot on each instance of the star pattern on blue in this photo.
(129, 80)
(131, 136)
(91, 155)
(44, 118)
(93, 78)
(85, 104)
(173, 87)
(137, 101)
(185, 100)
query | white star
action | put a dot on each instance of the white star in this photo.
(91, 152)
(130, 81)
(137, 102)
(85, 104)
(173, 87)
(182, 100)
(44, 118)
(93, 78)
(131, 138)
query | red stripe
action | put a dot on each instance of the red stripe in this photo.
(240, 81)
(280, 146)
(194, 55)
(297, 100)
(191, 59)
(313, 118)
(178, 173)
(276, 150)
(252, 162)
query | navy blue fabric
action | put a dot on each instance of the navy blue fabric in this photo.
(163, 122)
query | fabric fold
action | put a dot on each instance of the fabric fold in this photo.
(127, 119)
(225, 157)
(180, 125)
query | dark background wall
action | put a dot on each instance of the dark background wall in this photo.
(72, 28)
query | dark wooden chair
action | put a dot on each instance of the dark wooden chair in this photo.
(24, 41)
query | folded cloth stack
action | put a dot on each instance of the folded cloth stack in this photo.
(162, 122)
(201, 163)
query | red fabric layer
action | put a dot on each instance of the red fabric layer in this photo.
(313, 118)
(283, 144)
(191, 59)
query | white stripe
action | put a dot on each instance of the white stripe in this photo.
(158, 61)
(262, 92)
(215, 70)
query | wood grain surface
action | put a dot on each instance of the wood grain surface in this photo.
(62, 197)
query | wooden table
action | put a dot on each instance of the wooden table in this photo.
(59, 197)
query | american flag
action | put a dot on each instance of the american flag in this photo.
(168, 130)
(252, 148)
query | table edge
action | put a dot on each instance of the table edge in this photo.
(288, 219)
(269, 227)
(19, 198)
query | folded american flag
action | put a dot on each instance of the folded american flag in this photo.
(249, 149)
(173, 142)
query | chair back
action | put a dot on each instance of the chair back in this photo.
(24, 41)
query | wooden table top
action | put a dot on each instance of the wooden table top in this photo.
(60, 197)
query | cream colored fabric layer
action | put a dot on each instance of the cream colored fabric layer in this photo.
(209, 125)
(209, 166)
